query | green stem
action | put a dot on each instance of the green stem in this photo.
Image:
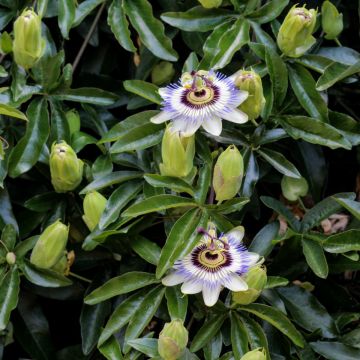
(302, 205)
(338, 43)
(80, 277)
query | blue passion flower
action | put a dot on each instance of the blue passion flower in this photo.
(215, 263)
(201, 98)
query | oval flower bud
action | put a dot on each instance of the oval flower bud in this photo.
(73, 119)
(94, 205)
(251, 82)
(228, 173)
(295, 33)
(10, 258)
(65, 168)
(293, 188)
(256, 279)
(208, 4)
(177, 153)
(162, 73)
(28, 45)
(50, 246)
(331, 20)
(256, 354)
(172, 340)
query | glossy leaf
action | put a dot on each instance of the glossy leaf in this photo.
(315, 257)
(239, 336)
(335, 350)
(343, 242)
(12, 112)
(268, 12)
(88, 95)
(66, 16)
(173, 183)
(262, 242)
(144, 89)
(177, 303)
(146, 249)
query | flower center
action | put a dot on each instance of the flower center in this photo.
(200, 96)
(212, 259)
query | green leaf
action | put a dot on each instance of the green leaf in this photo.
(231, 41)
(239, 336)
(10, 111)
(323, 210)
(207, 331)
(232, 205)
(111, 349)
(84, 9)
(336, 72)
(310, 99)
(6, 211)
(196, 19)
(335, 350)
(143, 315)
(59, 125)
(262, 242)
(315, 257)
(146, 249)
(42, 7)
(350, 205)
(122, 284)
(177, 303)
(262, 36)
(27, 151)
(87, 95)
(8, 237)
(158, 203)
(213, 348)
(276, 318)
(268, 12)
(173, 183)
(314, 318)
(147, 346)
(280, 163)
(313, 131)
(278, 75)
(9, 291)
(117, 201)
(121, 316)
(66, 16)
(343, 242)
(119, 25)
(203, 183)
(114, 178)
(276, 281)
(144, 89)
(346, 125)
(150, 29)
(182, 235)
(191, 63)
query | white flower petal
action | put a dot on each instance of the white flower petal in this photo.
(173, 279)
(235, 116)
(236, 283)
(211, 294)
(163, 91)
(241, 97)
(236, 234)
(191, 287)
(213, 125)
(252, 258)
(161, 117)
(187, 128)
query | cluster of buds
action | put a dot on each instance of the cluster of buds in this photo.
(331, 20)
(172, 340)
(250, 81)
(292, 189)
(256, 354)
(256, 279)
(295, 34)
(50, 246)
(94, 205)
(228, 173)
(65, 168)
(28, 44)
(177, 153)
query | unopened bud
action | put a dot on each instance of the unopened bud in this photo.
(295, 33)
(162, 73)
(250, 81)
(210, 3)
(172, 340)
(257, 354)
(28, 45)
(178, 153)
(293, 189)
(65, 168)
(50, 246)
(94, 205)
(228, 173)
(10, 258)
(73, 119)
(331, 20)
(256, 279)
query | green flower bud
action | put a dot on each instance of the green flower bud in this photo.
(5, 43)
(65, 168)
(10, 258)
(28, 43)
(331, 20)
(73, 119)
(256, 279)
(210, 3)
(50, 246)
(162, 73)
(295, 34)
(94, 205)
(250, 81)
(177, 154)
(257, 354)
(293, 188)
(228, 173)
(172, 340)
(64, 264)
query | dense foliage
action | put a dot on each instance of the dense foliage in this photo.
(83, 279)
